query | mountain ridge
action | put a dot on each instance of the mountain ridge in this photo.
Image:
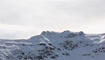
(50, 45)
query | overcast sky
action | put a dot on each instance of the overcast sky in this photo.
(23, 18)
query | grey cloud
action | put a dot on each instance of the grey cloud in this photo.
(52, 14)
(46, 11)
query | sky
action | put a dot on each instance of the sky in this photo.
(25, 18)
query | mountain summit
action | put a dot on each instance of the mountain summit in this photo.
(50, 45)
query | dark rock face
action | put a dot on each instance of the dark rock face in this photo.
(100, 50)
(69, 45)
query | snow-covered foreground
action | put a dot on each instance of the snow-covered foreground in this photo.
(55, 46)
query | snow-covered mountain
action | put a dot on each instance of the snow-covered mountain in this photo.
(48, 45)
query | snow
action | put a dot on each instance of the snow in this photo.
(48, 45)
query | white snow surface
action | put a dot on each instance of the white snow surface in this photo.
(51, 45)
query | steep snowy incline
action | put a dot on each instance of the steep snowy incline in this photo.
(48, 45)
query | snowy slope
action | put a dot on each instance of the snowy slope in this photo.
(48, 45)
